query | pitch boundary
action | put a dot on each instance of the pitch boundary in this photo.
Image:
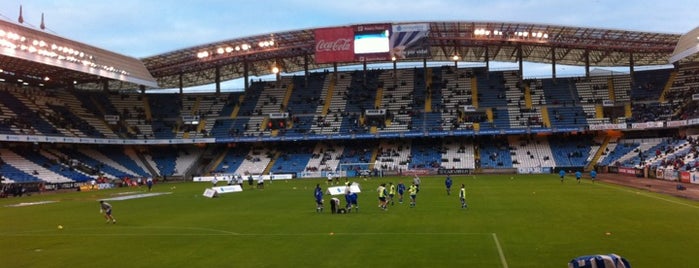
(647, 195)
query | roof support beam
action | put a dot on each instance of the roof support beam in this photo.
(631, 71)
(217, 79)
(586, 55)
(305, 70)
(553, 63)
(487, 59)
(181, 82)
(519, 59)
(246, 74)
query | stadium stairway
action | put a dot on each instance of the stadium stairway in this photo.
(235, 111)
(599, 111)
(668, 86)
(142, 161)
(201, 126)
(474, 91)
(329, 95)
(146, 108)
(627, 110)
(263, 125)
(377, 104)
(195, 107)
(379, 97)
(287, 95)
(217, 161)
(590, 165)
(271, 162)
(374, 155)
(545, 116)
(528, 96)
(610, 89)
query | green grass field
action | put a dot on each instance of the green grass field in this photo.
(526, 221)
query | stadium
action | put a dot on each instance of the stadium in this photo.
(368, 103)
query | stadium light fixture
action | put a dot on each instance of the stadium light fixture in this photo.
(455, 57)
(202, 54)
(16, 41)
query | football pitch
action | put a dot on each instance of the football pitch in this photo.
(511, 221)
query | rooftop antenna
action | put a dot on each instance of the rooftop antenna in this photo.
(20, 19)
(42, 25)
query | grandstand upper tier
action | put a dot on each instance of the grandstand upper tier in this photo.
(39, 58)
(331, 104)
(36, 58)
(470, 41)
(418, 102)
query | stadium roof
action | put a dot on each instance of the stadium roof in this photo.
(687, 46)
(294, 51)
(37, 58)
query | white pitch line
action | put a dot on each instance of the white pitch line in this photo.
(217, 233)
(648, 195)
(502, 254)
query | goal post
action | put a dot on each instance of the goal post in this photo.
(349, 170)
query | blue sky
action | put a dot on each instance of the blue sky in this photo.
(141, 28)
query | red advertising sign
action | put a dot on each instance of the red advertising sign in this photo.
(627, 170)
(334, 45)
(685, 176)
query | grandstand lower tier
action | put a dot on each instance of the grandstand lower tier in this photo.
(70, 163)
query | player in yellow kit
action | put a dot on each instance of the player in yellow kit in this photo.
(412, 191)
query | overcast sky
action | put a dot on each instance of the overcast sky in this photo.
(141, 28)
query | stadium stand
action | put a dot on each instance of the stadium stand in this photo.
(419, 101)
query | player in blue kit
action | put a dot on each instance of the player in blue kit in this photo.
(562, 173)
(318, 194)
(351, 199)
(578, 176)
(401, 191)
(448, 184)
(593, 175)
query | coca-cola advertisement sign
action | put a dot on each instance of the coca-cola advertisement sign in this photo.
(334, 45)
(341, 44)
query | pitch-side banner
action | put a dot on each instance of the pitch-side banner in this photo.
(410, 41)
(338, 190)
(334, 45)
